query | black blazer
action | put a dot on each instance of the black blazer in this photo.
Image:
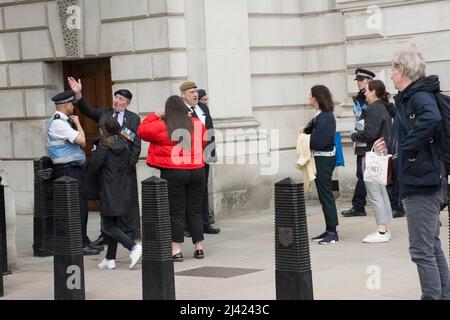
(210, 149)
(130, 120)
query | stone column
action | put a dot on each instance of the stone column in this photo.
(218, 60)
(10, 219)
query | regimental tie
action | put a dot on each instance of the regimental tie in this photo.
(116, 116)
(193, 113)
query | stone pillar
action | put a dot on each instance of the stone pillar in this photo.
(10, 219)
(218, 60)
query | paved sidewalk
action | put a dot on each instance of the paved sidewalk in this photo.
(340, 271)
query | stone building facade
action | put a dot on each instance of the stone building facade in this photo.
(257, 60)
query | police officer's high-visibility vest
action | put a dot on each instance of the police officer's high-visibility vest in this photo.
(62, 151)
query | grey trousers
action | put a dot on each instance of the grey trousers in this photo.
(422, 215)
(381, 204)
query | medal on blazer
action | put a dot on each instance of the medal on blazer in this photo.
(128, 134)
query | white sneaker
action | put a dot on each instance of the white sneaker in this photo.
(107, 264)
(376, 237)
(135, 255)
(389, 235)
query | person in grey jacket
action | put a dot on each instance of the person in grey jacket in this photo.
(377, 124)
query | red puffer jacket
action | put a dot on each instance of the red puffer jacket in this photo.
(164, 153)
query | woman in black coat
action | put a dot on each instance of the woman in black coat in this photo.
(377, 124)
(109, 164)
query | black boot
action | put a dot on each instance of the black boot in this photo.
(353, 213)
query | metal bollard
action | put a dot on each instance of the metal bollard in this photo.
(158, 281)
(43, 208)
(68, 264)
(293, 274)
(3, 245)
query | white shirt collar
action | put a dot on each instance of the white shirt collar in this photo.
(62, 115)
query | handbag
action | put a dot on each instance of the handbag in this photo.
(340, 162)
(377, 168)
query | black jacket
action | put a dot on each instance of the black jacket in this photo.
(377, 124)
(323, 132)
(109, 167)
(131, 121)
(210, 149)
(417, 128)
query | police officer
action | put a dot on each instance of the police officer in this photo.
(65, 142)
(362, 78)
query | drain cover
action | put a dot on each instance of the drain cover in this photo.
(216, 272)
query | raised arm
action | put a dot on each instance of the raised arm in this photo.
(76, 87)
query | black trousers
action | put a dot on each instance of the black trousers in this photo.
(185, 199)
(205, 201)
(131, 224)
(76, 173)
(110, 226)
(360, 193)
(325, 167)
(392, 190)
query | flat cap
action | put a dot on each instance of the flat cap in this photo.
(64, 97)
(124, 93)
(364, 73)
(187, 85)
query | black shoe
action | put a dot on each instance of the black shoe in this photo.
(353, 213)
(89, 251)
(320, 238)
(178, 257)
(199, 254)
(398, 214)
(96, 246)
(187, 234)
(101, 240)
(211, 230)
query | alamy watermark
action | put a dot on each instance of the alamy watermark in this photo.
(374, 280)
(233, 147)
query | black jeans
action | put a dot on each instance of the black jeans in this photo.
(76, 173)
(359, 196)
(185, 200)
(115, 235)
(325, 167)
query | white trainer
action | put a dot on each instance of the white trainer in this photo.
(389, 235)
(135, 255)
(376, 237)
(107, 264)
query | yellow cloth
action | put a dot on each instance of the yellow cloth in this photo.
(305, 160)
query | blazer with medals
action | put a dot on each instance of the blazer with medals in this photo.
(131, 121)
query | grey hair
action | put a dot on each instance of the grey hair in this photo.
(411, 62)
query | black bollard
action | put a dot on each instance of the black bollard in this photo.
(158, 282)
(68, 264)
(293, 274)
(3, 245)
(43, 208)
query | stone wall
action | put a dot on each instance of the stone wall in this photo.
(256, 58)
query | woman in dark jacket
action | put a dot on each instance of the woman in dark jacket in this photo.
(377, 124)
(323, 130)
(110, 164)
(176, 148)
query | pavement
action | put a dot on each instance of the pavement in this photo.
(348, 270)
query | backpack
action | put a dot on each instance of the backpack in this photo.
(443, 102)
(442, 140)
